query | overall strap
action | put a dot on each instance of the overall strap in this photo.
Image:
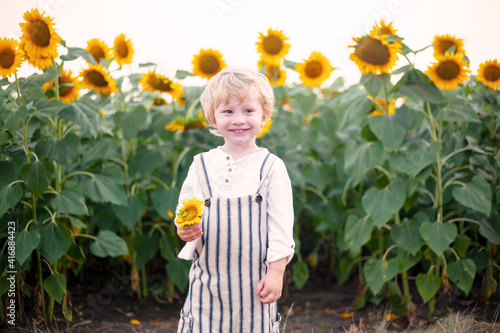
(201, 169)
(265, 168)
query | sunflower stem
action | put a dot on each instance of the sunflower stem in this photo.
(40, 282)
(19, 96)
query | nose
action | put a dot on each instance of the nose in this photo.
(238, 119)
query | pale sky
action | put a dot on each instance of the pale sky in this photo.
(170, 32)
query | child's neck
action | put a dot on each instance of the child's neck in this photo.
(237, 152)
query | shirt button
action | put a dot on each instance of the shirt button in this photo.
(227, 180)
(230, 170)
(227, 157)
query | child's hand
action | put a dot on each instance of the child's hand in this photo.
(189, 234)
(269, 288)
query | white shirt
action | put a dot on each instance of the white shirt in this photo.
(231, 179)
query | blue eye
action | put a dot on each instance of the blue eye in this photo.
(227, 111)
(248, 111)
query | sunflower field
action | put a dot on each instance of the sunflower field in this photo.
(396, 179)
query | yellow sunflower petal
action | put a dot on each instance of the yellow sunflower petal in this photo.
(265, 128)
(207, 63)
(11, 57)
(274, 72)
(153, 82)
(123, 50)
(374, 55)
(190, 213)
(447, 43)
(98, 49)
(272, 46)
(38, 35)
(489, 73)
(382, 28)
(449, 70)
(95, 78)
(315, 70)
(72, 86)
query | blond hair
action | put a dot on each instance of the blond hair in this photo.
(234, 82)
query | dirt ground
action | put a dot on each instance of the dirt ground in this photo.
(317, 308)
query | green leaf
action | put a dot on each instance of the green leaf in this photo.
(131, 213)
(390, 129)
(108, 243)
(358, 232)
(415, 158)
(146, 248)
(37, 176)
(101, 188)
(489, 228)
(98, 149)
(70, 203)
(26, 242)
(49, 107)
(407, 260)
(132, 122)
(165, 201)
(427, 285)
(300, 274)
(374, 83)
(417, 85)
(9, 197)
(459, 110)
(359, 159)
(52, 149)
(84, 113)
(167, 248)
(12, 119)
(145, 161)
(462, 272)
(178, 271)
(55, 286)
(31, 93)
(379, 272)
(437, 235)
(8, 174)
(407, 235)
(475, 195)
(180, 74)
(290, 64)
(77, 52)
(382, 204)
(54, 243)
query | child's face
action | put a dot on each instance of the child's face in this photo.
(240, 123)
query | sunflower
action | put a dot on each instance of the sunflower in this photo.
(11, 56)
(380, 108)
(207, 63)
(385, 30)
(70, 91)
(95, 78)
(156, 82)
(449, 70)
(272, 47)
(176, 125)
(39, 36)
(98, 49)
(275, 74)
(374, 55)
(35, 60)
(443, 43)
(265, 128)
(196, 122)
(190, 213)
(158, 101)
(123, 50)
(489, 73)
(315, 70)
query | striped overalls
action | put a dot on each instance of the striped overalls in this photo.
(230, 260)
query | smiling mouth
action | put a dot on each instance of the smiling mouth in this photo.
(239, 130)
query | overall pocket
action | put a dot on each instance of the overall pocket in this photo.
(185, 323)
(275, 328)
